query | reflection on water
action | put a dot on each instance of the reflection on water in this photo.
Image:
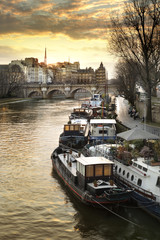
(34, 204)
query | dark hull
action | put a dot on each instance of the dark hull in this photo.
(150, 206)
(83, 195)
(144, 200)
(73, 141)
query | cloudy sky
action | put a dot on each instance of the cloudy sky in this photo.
(71, 30)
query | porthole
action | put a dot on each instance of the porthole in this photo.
(120, 170)
(123, 172)
(132, 177)
(139, 182)
(128, 175)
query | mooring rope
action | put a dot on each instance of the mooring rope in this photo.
(125, 219)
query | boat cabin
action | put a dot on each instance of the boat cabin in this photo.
(93, 169)
(102, 129)
(73, 129)
(80, 112)
(97, 97)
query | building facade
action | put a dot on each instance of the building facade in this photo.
(59, 73)
(101, 75)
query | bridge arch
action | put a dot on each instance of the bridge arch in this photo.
(82, 91)
(55, 93)
(35, 94)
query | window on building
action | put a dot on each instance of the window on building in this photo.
(89, 171)
(98, 170)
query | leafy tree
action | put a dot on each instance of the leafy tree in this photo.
(136, 36)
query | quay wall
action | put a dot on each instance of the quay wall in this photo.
(140, 106)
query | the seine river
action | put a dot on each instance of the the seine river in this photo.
(33, 202)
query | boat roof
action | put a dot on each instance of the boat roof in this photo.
(93, 160)
(79, 121)
(102, 121)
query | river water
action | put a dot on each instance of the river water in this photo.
(33, 202)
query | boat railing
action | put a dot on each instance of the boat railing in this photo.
(138, 189)
(67, 148)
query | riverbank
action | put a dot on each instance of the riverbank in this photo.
(124, 118)
(13, 100)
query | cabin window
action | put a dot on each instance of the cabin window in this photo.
(116, 168)
(103, 131)
(119, 170)
(107, 170)
(128, 175)
(139, 166)
(135, 164)
(78, 166)
(158, 182)
(123, 172)
(66, 128)
(132, 177)
(81, 168)
(98, 170)
(89, 171)
(139, 182)
(144, 169)
(76, 127)
(71, 128)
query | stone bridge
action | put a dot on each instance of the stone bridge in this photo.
(68, 90)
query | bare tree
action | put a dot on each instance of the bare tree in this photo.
(3, 81)
(136, 36)
(16, 79)
(127, 77)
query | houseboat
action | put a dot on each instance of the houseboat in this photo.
(140, 173)
(90, 179)
(80, 113)
(102, 130)
(74, 135)
(95, 101)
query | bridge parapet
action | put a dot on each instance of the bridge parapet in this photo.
(67, 89)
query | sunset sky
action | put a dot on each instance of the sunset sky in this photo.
(71, 30)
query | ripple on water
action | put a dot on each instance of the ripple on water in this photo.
(33, 203)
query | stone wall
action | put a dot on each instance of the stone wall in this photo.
(140, 106)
